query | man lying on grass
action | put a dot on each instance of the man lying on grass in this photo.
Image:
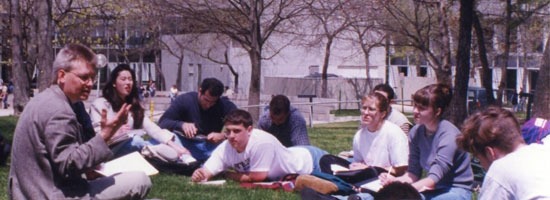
(255, 155)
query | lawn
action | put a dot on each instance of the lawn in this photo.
(334, 137)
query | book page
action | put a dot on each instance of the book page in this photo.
(374, 186)
(338, 168)
(131, 162)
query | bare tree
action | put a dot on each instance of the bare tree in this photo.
(330, 20)
(250, 23)
(366, 35)
(423, 25)
(516, 13)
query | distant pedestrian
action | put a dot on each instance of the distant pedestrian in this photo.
(5, 94)
(173, 93)
(151, 88)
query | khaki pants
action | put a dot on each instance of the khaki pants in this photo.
(127, 185)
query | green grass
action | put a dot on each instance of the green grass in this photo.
(346, 112)
(333, 137)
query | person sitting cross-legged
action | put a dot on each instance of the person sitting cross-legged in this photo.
(197, 116)
(256, 155)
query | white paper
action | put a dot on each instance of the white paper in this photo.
(375, 185)
(215, 182)
(337, 168)
(131, 162)
(186, 158)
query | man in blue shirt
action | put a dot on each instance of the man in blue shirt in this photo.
(198, 116)
(285, 122)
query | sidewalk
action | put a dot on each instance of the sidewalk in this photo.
(6, 112)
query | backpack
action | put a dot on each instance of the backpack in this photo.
(534, 130)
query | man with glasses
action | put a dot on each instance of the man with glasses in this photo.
(197, 116)
(256, 155)
(53, 147)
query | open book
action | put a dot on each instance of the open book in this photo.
(130, 162)
(364, 178)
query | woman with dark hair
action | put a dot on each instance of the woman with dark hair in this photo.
(432, 148)
(122, 88)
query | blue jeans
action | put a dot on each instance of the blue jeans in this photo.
(134, 144)
(200, 150)
(316, 154)
(450, 193)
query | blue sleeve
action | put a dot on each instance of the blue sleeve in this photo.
(298, 133)
(414, 152)
(264, 121)
(228, 106)
(446, 149)
(172, 118)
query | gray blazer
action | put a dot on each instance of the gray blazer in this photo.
(48, 156)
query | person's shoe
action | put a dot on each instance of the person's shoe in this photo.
(318, 184)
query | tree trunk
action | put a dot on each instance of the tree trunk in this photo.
(444, 76)
(255, 54)
(232, 70)
(254, 91)
(179, 77)
(161, 82)
(387, 73)
(366, 54)
(458, 103)
(140, 69)
(507, 43)
(486, 76)
(326, 60)
(45, 37)
(199, 75)
(541, 107)
(21, 79)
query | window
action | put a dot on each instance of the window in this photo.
(423, 72)
(403, 70)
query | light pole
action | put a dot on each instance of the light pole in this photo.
(101, 63)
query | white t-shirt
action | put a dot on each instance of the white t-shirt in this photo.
(522, 174)
(263, 153)
(397, 118)
(384, 148)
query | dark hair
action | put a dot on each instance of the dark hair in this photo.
(110, 94)
(213, 86)
(385, 88)
(494, 127)
(397, 191)
(383, 104)
(279, 105)
(435, 96)
(238, 116)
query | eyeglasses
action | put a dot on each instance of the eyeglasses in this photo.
(85, 78)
